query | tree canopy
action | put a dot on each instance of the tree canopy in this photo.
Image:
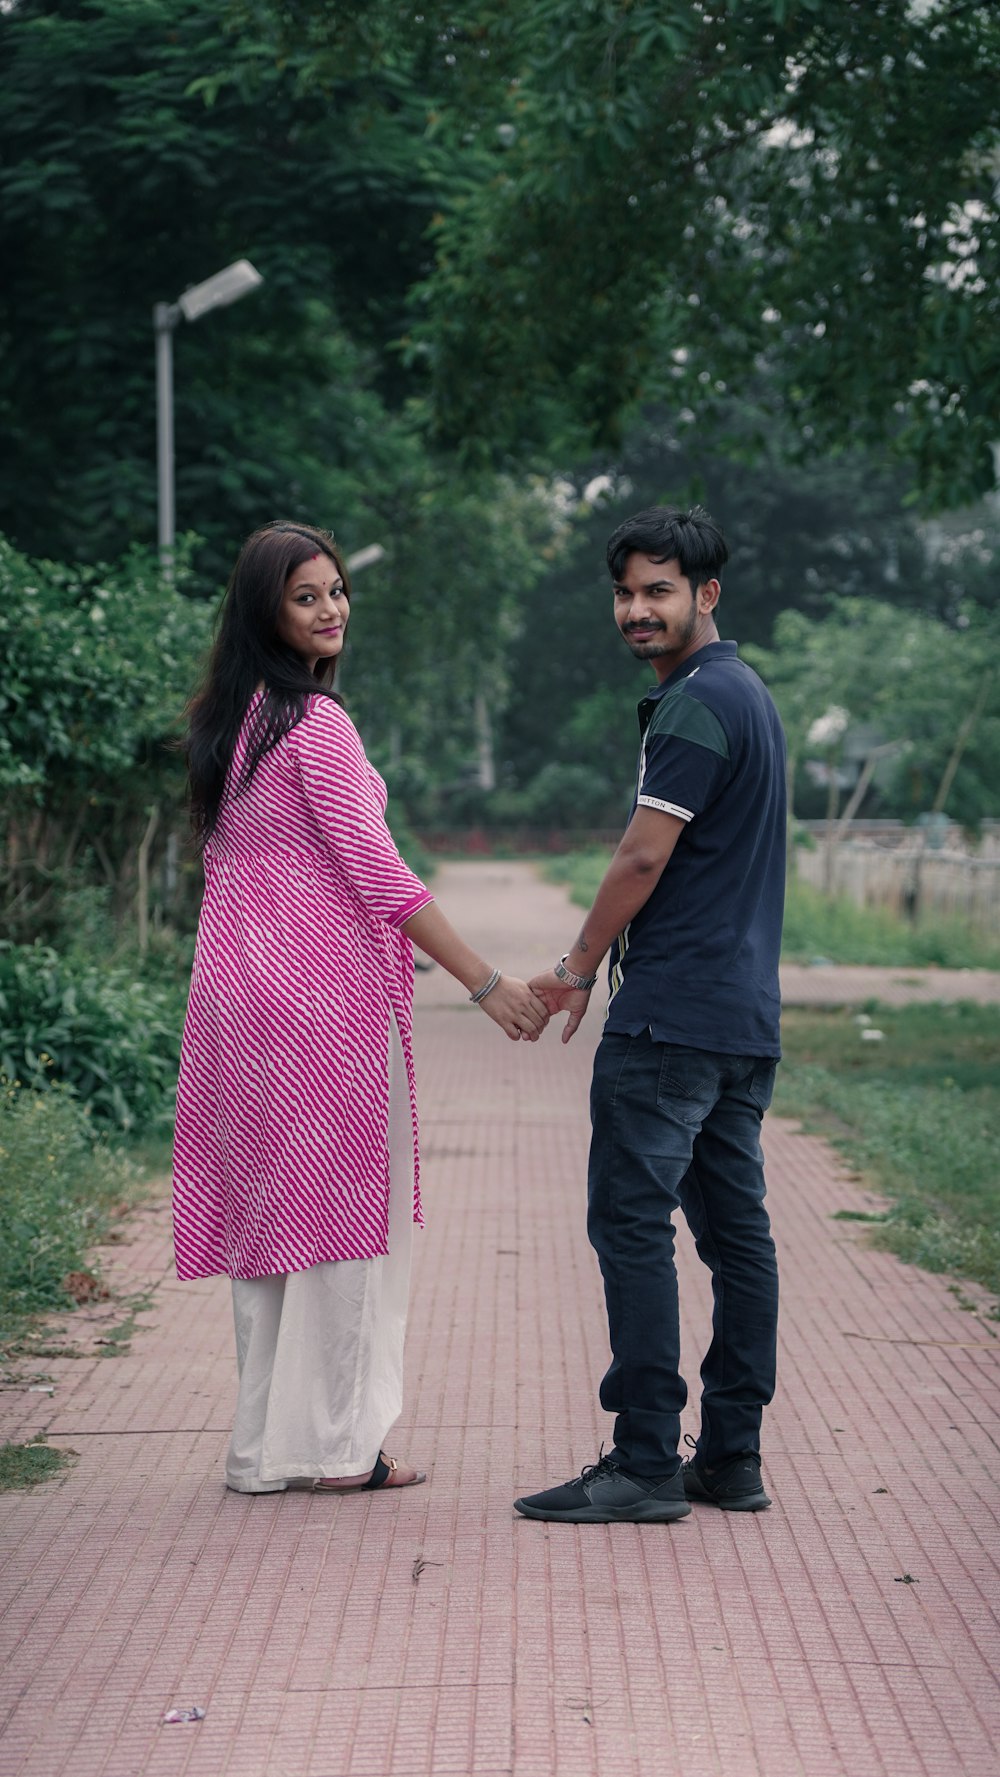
(132, 170)
(525, 268)
(669, 199)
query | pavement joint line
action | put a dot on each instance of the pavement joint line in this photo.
(138, 1431)
(197, 1431)
(944, 1344)
(322, 1690)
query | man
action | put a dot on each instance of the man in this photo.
(691, 906)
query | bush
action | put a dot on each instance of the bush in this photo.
(98, 664)
(59, 1182)
(564, 795)
(838, 929)
(112, 1041)
(581, 871)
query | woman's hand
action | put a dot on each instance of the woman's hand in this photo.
(511, 1003)
(517, 1010)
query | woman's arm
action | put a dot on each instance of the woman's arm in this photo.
(511, 1003)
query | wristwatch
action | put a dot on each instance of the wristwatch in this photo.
(583, 982)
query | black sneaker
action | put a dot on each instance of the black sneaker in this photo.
(734, 1485)
(605, 1494)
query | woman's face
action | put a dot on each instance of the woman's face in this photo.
(314, 610)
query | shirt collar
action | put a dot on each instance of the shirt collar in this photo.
(711, 651)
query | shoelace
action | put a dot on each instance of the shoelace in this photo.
(605, 1465)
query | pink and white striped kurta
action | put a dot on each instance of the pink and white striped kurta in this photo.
(281, 1153)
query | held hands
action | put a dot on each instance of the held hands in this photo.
(517, 1010)
(523, 1009)
(558, 997)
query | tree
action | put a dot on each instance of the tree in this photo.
(98, 667)
(674, 200)
(435, 664)
(144, 147)
(147, 143)
(907, 678)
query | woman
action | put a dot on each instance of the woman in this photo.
(295, 1161)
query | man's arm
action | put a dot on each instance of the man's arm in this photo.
(629, 880)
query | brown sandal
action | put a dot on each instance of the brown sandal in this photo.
(379, 1477)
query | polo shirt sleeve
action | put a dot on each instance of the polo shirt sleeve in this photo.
(685, 759)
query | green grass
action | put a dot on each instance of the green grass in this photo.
(581, 871)
(918, 1113)
(836, 930)
(61, 1189)
(117, 1342)
(25, 1465)
(843, 932)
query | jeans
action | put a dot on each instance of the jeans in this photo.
(680, 1128)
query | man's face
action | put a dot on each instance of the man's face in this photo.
(656, 610)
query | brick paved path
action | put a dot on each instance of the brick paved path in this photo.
(432, 1632)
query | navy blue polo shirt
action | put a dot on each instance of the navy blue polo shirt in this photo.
(698, 965)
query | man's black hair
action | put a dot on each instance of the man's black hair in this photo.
(667, 533)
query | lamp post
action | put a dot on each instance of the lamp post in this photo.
(225, 287)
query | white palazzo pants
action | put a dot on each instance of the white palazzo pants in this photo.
(320, 1352)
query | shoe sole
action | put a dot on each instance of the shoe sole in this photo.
(638, 1514)
(752, 1502)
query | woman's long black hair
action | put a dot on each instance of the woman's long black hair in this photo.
(249, 653)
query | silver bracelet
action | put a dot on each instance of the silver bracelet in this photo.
(583, 983)
(487, 987)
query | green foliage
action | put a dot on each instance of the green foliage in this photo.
(59, 1184)
(919, 1112)
(99, 663)
(906, 676)
(25, 1465)
(581, 871)
(492, 238)
(673, 202)
(566, 796)
(110, 1039)
(434, 625)
(146, 145)
(839, 930)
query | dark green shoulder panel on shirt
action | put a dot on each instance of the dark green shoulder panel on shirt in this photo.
(689, 719)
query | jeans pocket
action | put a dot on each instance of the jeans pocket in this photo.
(688, 1083)
(760, 1085)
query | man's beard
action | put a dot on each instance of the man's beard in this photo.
(650, 650)
(661, 643)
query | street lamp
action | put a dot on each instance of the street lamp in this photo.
(365, 558)
(225, 287)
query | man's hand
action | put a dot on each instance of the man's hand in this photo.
(557, 997)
